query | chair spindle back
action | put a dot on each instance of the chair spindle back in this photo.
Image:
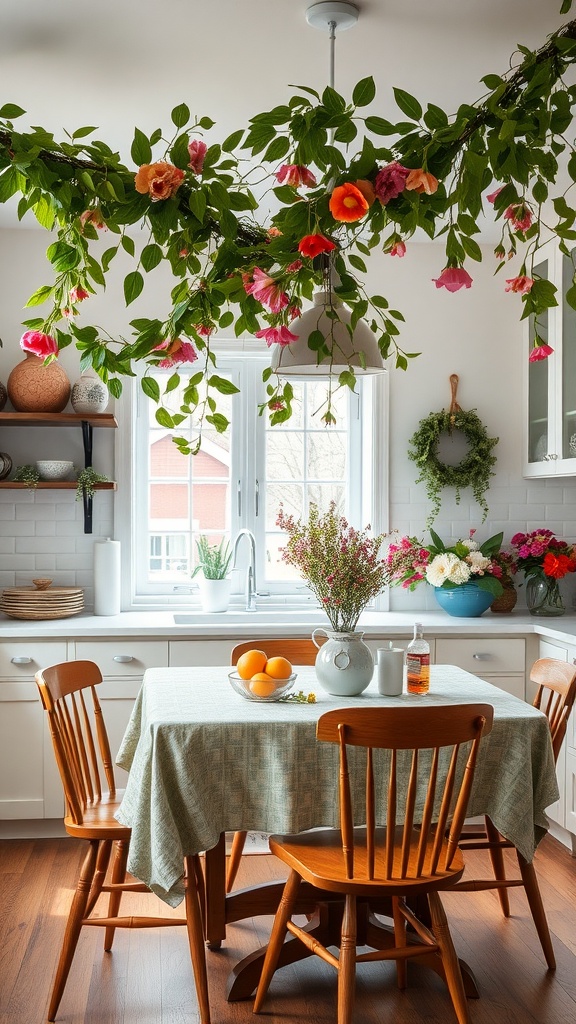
(556, 681)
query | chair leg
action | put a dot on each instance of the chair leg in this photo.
(277, 936)
(74, 926)
(99, 875)
(196, 937)
(537, 909)
(497, 859)
(235, 857)
(400, 941)
(347, 962)
(441, 933)
(117, 876)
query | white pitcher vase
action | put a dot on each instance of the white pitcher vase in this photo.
(344, 663)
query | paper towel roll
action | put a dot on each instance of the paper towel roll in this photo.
(107, 577)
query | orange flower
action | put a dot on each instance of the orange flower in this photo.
(347, 203)
(159, 180)
(421, 181)
(367, 189)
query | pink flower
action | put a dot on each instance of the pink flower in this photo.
(519, 215)
(204, 330)
(183, 254)
(520, 284)
(294, 267)
(93, 217)
(390, 182)
(177, 351)
(266, 290)
(295, 175)
(276, 335)
(453, 278)
(197, 152)
(398, 249)
(67, 313)
(493, 195)
(40, 344)
(540, 351)
(78, 294)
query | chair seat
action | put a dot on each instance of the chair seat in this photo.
(99, 821)
(317, 857)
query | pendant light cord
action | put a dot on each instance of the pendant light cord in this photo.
(332, 37)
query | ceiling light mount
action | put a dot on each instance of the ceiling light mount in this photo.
(329, 14)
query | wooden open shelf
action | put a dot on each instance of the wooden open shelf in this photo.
(53, 485)
(56, 419)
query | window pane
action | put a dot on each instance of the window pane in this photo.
(285, 455)
(327, 455)
(291, 496)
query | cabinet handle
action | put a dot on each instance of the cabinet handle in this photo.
(481, 657)
(123, 659)
(21, 661)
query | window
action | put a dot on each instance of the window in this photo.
(240, 478)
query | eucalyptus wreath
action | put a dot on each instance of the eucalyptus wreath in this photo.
(473, 471)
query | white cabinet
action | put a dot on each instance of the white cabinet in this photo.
(122, 664)
(498, 660)
(549, 385)
(28, 778)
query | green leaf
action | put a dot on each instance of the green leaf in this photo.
(128, 245)
(232, 141)
(358, 263)
(81, 133)
(471, 248)
(40, 295)
(63, 256)
(277, 149)
(379, 126)
(141, 150)
(197, 204)
(11, 110)
(347, 132)
(133, 285)
(165, 419)
(151, 256)
(226, 319)
(221, 384)
(408, 104)
(364, 92)
(151, 388)
(333, 101)
(218, 421)
(206, 123)
(180, 115)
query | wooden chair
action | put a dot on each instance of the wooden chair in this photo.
(299, 652)
(415, 855)
(68, 694)
(556, 682)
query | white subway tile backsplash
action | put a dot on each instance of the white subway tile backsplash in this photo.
(41, 545)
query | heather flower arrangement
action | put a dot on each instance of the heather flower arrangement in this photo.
(541, 554)
(344, 185)
(340, 564)
(411, 562)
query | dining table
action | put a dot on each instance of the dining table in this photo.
(204, 761)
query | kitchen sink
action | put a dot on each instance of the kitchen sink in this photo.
(239, 616)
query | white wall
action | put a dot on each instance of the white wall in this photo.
(475, 333)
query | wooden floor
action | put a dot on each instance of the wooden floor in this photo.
(147, 979)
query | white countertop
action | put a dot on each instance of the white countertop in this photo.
(155, 624)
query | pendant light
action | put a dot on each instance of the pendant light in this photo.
(357, 349)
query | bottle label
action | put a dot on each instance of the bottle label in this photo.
(416, 662)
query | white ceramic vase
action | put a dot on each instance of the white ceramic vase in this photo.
(344, 663)
(89, 395)
(214, 594)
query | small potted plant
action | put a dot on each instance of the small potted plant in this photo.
(214, 582)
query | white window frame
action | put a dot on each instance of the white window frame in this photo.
(367, 443)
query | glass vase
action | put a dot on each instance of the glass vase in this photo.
(543, 596)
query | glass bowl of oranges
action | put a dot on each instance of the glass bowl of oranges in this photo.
(258, 677)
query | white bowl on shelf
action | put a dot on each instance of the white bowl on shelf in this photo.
(54, 469)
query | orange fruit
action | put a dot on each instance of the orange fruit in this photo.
(261, 685)
(250, 663)
(278, 668)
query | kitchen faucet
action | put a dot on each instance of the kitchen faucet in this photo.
(250, 591)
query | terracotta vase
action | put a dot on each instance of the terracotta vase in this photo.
(35, 387)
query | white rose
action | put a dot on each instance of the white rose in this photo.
(460, 572)
(440, 567)
(478, 562)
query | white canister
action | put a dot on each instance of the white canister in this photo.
(390, 670)
(89, 395)
(107, 598)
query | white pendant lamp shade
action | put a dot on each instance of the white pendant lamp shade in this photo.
(360, 351)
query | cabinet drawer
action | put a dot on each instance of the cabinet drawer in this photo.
(21, 659)
(124, 657)
(482, 656)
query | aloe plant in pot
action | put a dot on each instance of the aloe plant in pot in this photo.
(213, 568)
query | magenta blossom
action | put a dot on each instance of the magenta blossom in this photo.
(39, 344)
(521, 284)
(493, 195)
(540, 351)
(177, 351)
(390, 182)
(277, 335)
(78, 294)
(519, 215)
(295, 175)
(266, 290)
(398, 249)
(453, 278)
(197, 152)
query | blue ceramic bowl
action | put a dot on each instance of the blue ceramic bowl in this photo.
(466, 601)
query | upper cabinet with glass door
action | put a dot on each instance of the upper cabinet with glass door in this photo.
(549, 444)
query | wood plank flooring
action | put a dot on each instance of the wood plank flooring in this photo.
(147, 979)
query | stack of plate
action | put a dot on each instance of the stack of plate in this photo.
(32, 603)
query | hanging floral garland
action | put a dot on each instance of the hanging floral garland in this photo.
(474, 470)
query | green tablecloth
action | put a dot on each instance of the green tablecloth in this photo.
(204, 760)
